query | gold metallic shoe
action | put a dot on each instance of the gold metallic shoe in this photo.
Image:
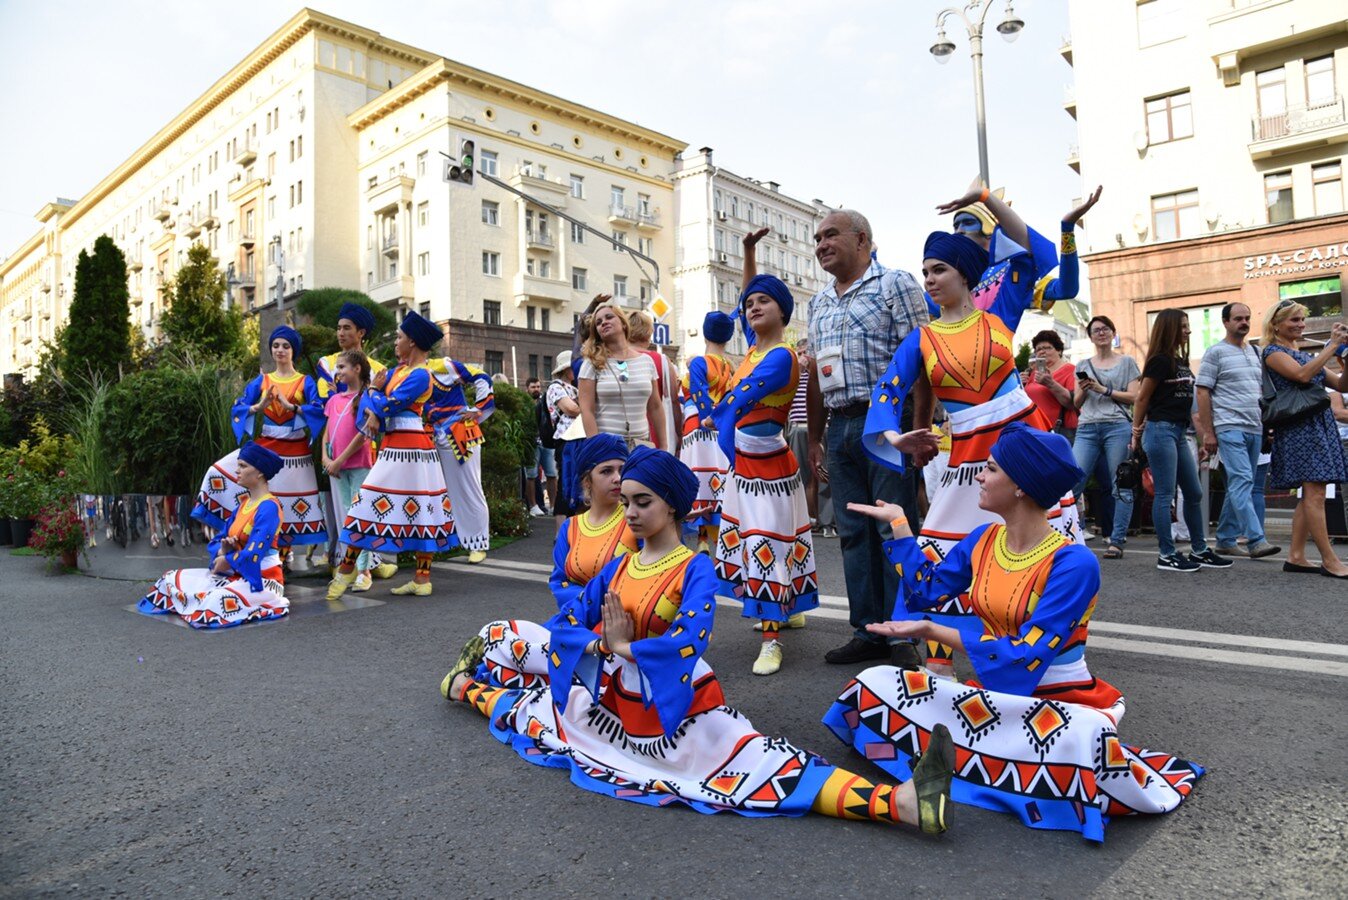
(412, 589)
(470, 657)
(931, 781)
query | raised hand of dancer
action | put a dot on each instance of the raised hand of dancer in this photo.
(970, 196)
(1075, 215)
(884, 511)
(752, 238)
(922, 444)
(618, 627)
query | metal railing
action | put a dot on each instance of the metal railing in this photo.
(541, 238)
(1299, 119)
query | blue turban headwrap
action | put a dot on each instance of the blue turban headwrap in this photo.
(959, 251)
(422, 332)
(591, 452)
(669, 479)
(359, 316)
(259, 457)
(1039, 462)
(286, 333)
(718, 328)
(775, 288)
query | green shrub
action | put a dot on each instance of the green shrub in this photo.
(510, 434)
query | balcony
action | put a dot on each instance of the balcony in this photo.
(390, 245)
(240, 189)
(392, 290)
(192, 230)
(247, 239)
(135, 265)
(247, 156)
(163, 213)
(528, 180)
(207, 222)
(245, 280)
(648, 220)
(1069, 100)
(46, 287)
(622, 215)
(1300, 128)
(1065, 48)
(390, 194)
(538, 240)
(532, 289)
(1074, 158)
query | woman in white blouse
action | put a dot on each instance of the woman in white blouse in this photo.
(618, 391)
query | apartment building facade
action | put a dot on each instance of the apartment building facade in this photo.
(316, 162)
(1218, 129)
(715, 209)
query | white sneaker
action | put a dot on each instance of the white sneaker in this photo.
(363, 583)
(769, 658)
(536, 511)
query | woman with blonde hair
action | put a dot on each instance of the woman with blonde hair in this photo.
(1306, 449)
(617, 383)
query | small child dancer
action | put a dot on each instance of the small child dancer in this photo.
(346, 451)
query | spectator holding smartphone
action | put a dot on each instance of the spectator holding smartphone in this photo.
(1106, 387)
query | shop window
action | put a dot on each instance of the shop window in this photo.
(1320, 296)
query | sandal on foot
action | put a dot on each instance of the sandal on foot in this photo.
(931, 781)
(470, 657)
(1113, 552)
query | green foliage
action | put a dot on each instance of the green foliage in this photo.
(321, 307)
(84, 419)
(97, 336)
(196, 320)
(33, 474)
(58, 529)
(510, 434)
(1023, 357)
(25, 403)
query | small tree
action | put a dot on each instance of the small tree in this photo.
(197, 320)
(321, 307)
(97, 338)
(1023, 357)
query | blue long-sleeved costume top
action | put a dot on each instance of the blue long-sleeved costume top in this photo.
(257, 525)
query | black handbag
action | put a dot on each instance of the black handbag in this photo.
(1279, 409)
(1128, 476)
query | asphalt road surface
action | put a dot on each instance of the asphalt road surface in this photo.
(315, 757)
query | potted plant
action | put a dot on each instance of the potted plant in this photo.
(58, 532)
(7, 461)
(25, 494)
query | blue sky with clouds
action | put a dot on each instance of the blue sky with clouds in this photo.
(842, 102)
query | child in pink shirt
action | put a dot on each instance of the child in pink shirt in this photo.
(347, 455)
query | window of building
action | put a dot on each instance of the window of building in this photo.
(620, 285)
(544, 268)
(644, 245)
(644, 291)
(369, 237)
(1327, 186)
(491, 212)
(734, 206)
(644, 204)
(491, 263)
(545, 323)
(423, 264)
(749, 211)
(716, 201)
(1159, 21)
(619, 241)
(1278, 196)
(1169, 118)
(617, 197)
(491, 312)
(580, 279)
(488, 159)
(533, 364)
(1320, 296)
(299, 146)
(1319, 81)
(578, 187)
(292, 196)
(547, 363)
(271, 207)
(1174, 215)
(424, 310)
(421, 163)
(271, 164)
(1271, 90)
(424, 213)
(577, 234)
(494, 362)
(299, 192)
(530, 323)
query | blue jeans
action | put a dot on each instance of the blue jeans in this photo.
(1257, 494)
(872, 583)
(1240, 458)
(1172, 463)
(1110, 440)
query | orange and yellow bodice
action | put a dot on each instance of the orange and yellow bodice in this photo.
(969, 362)
(775, 408)
(406, 430)
(651, 594)
(241, 528)
(591, 547)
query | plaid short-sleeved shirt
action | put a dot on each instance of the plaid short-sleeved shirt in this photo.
(868, 322)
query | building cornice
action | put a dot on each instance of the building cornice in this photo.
(1222, 237)
(7, 265)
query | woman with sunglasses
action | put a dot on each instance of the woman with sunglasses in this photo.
(1306, 453)
(619, 393)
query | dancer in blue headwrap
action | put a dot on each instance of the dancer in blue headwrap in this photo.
(703, 386)
(1036, 731)
(765, 551)
(244, 582)
(458, 439)
(282, 412)
(966, 359)
(591, 538)
(615, 689)
(355, 324)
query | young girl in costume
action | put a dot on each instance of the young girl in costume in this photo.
(590, 539)
(635, 712)
(347, 452)
(244, 581)
(402, 504)
(1036, 733)
(458, 440)
(703, 386)
(967, 360)
(765, 552)
(291, 415)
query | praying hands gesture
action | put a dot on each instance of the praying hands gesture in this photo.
(618, 627)
(262, 402)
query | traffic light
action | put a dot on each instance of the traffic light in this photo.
(462, 172)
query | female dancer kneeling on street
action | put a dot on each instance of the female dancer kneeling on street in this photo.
(636, 713)
(593, 537)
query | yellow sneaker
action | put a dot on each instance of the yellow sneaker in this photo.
(362, 584)
(469, 659)
(384, 570)
(769, 659)
(477, 556)
(413, 589)
(795, 621)
(337, 587)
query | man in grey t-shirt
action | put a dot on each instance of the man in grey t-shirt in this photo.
(1230, 383)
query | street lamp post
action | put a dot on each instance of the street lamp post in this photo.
(974, 14)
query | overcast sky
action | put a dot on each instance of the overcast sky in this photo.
(839, 101)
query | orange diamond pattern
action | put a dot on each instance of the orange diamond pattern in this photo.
(301, 507)
(1044, 722)
(977, 712)
(764, 555)
(411, 508)
(382, 506)
(217, 484)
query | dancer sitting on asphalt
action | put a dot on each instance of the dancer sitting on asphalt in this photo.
(403, 504)
(244, 582)
(1038, 732)
(636, 713)
(286, 404)
(765, 552)
(702, 388)
(589, 540)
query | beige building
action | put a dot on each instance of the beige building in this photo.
(715, 209)
(1218, 129)
(316, 162)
